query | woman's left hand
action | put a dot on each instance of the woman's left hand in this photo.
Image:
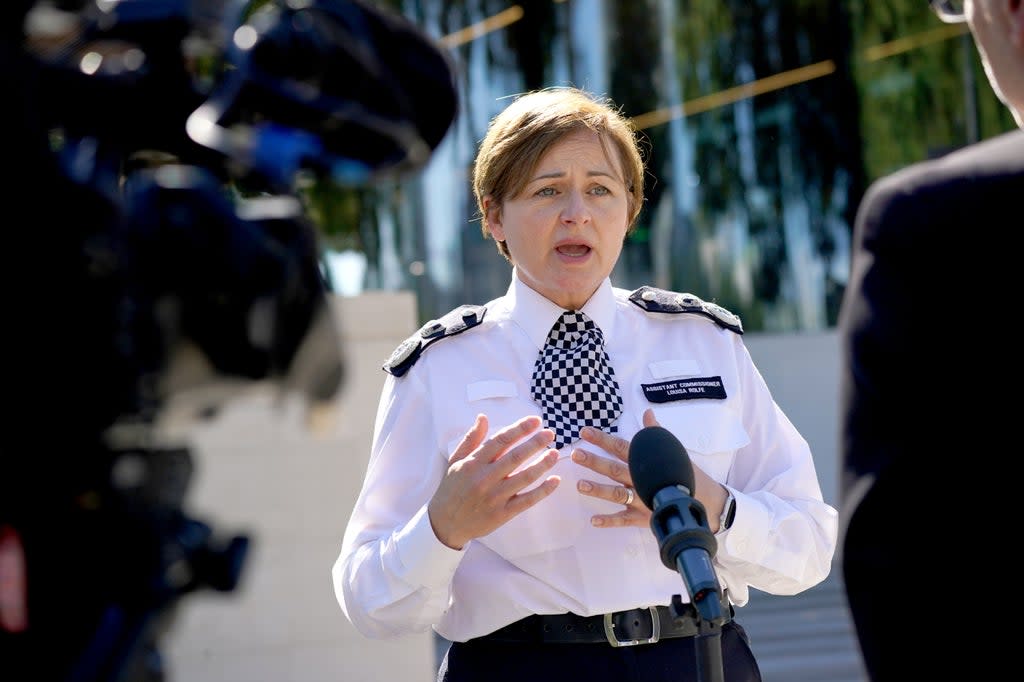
(635, 512)
(709, 492)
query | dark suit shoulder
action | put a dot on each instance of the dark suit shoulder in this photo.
(454, 322)
(970, 186)
(654, 300)
(973, 166)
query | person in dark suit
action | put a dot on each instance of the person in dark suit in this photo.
(923, 369)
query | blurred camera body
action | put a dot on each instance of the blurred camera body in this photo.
(158, 292)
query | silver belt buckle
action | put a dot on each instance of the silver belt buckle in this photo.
(609, 630)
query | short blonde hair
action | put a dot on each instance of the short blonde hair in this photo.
(520, 135)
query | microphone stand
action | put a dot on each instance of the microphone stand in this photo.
(708, 642)
(678, 523)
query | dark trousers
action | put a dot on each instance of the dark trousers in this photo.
(670, 660)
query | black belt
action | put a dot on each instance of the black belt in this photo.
(622, 628)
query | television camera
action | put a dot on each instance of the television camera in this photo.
(156, 154)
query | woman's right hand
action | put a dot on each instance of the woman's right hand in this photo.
(479, 493)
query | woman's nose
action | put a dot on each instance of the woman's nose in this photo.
(575, 209)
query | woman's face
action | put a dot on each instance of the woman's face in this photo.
(566, 228)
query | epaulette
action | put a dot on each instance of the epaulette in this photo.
(661, 301)
(409, 351)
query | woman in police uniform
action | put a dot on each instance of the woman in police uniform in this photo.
(505, 518)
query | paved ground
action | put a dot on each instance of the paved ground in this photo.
(806, 637)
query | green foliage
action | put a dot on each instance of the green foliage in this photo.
(918, 102)
(338, 212)
(775, 174)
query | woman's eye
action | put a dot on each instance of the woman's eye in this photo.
(546, 192)
(601, 190)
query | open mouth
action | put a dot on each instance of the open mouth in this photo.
(574, 250)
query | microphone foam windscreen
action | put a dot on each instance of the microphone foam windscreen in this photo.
(657, 460)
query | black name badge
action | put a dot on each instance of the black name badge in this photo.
(685, 389)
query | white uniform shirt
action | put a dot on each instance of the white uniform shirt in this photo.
(393, 576)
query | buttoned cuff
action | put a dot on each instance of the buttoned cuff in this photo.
(425, 560)
(751, 525)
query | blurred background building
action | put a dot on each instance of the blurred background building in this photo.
(764, 123)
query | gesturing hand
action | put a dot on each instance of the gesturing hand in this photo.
(635, 512)
(707, 491)
(480, 492)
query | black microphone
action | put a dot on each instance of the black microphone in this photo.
(663, 478)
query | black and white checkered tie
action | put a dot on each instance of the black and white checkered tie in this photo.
(573, 380)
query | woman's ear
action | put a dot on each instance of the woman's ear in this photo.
(492, 213)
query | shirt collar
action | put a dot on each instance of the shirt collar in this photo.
(535, 314)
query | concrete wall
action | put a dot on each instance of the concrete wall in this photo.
(261, 471)
(802, 371)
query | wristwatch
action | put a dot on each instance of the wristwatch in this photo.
(728, 513)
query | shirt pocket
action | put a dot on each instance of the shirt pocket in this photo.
(489, 389)
(680, 367)
(711, 434)
(497, 398)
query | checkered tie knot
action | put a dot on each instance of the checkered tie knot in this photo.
(573, 381)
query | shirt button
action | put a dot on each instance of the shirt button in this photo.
(632, 550)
